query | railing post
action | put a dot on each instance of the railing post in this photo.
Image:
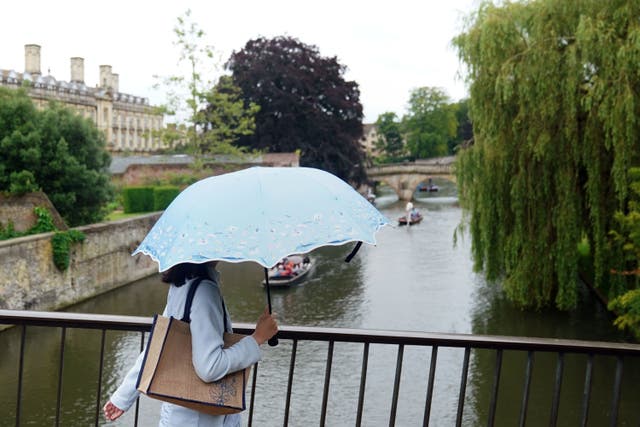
(526, 388)
(615, 403)
(396, 386)
(463, 385)
(432, 376)
(327, 380)
(586, 393)
(60, 374)
(292, 365)
(496, 386)
(137, 410)
(100, 369)
(363, 381)
(555, 405)
(253, 393)
(23, 335)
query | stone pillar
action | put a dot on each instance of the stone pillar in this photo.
(105, 76)
(32, 59)
(405, 195)
(115, 82)
(77, 70)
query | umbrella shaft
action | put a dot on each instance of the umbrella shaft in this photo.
(266, 279)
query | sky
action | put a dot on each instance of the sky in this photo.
(388, 47)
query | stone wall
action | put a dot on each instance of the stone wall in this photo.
(18, 211)
(29, 280)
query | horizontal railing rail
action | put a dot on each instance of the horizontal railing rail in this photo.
(143, 324)
(400, 339)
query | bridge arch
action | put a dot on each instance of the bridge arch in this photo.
(405, 177)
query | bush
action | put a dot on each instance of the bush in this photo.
(137, 199)
(22, 182)
(163, 196)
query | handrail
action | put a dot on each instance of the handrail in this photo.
(399, 339)
(136, 323)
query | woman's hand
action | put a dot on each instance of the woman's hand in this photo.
(265, 328)
(111, 411)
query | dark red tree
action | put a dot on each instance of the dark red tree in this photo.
(305, 104)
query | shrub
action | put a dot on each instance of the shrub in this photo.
(163, 196)
(137, 199)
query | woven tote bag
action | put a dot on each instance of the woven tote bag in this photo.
(167, 372)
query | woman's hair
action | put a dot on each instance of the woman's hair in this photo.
(179, 273)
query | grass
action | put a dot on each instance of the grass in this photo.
(118, 214)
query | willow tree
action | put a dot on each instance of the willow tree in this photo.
(554, 90)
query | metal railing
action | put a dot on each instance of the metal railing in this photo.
(434, 341)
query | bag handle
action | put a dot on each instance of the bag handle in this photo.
(187, 305)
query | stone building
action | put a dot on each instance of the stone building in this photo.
(128, 121)
(368, 140)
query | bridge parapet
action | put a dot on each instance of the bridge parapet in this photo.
(405, 177)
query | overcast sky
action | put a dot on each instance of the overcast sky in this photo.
(388, 47)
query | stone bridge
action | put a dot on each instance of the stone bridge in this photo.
(405, 177)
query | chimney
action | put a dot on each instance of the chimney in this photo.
(105, 77)
(77, 70)
(32, 59)
(115, 82)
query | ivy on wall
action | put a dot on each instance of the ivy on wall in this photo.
(61, 240)
(61, 244)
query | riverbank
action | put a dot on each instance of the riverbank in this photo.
(29, 279)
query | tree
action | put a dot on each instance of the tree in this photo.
(553, 87)
(464, 129)
(200, 108)
(625, 237)
(57, 151)
(305, 104)
(430, 123)
(224, 118)
(390, 139)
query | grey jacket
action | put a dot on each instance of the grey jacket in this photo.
(210, 360)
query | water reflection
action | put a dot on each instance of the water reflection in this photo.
(414, 279)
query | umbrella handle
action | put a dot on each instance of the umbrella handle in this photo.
(273, 341)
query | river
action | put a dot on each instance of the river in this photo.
(414, 279)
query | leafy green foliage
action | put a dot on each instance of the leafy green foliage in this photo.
(430, 123)
(60, 242)
(163, 196)
(464, 129)
(628, 305)
(305, 104)
(137, 199)
(625, 240)
(208, 118)
(54, 150)
(44, 224)
(553, 87)
(390, 139)
(22, 182)
(61, 246)
(224, 119)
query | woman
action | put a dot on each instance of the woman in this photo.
(210, 360)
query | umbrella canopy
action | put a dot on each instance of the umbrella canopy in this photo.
(260, 214)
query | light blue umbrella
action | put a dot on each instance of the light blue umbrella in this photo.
(260, 214)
